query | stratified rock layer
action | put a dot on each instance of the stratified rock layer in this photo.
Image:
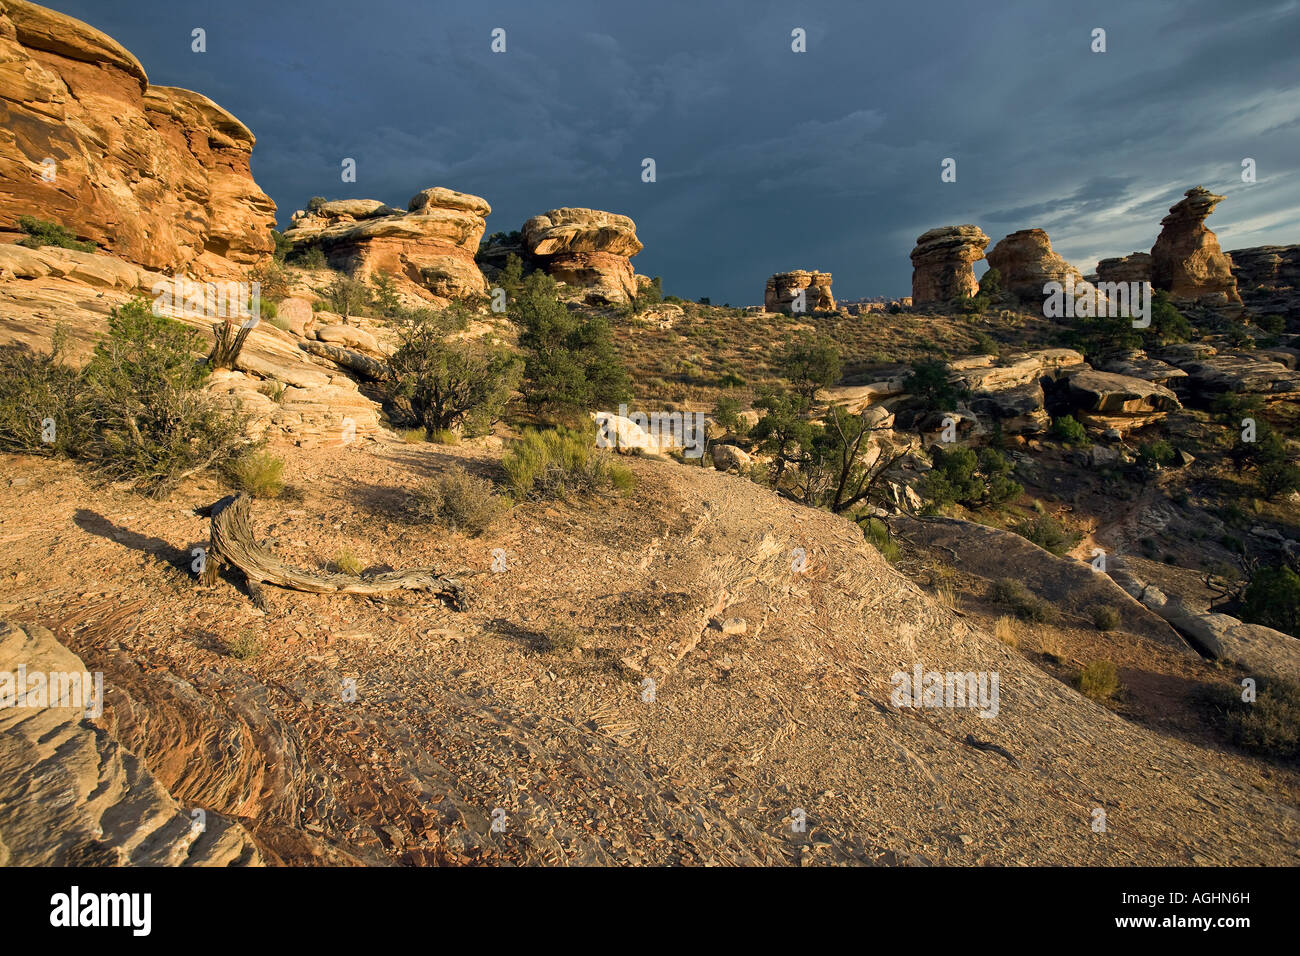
(157, 175)
(1135, 267)
(943, 263)
(586, 248)
(1186, 260)
(431, 245)
(783, 290)
(1268, 279)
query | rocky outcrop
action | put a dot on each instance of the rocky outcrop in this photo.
(1026, 262)
(1240, 373)
(1268, 279)
(783, 289)
(430, 247)
(157, 175)
(586, 248)
(1135, 267)
(1186, 260)
(1104, 400)
(943, 264)
(74, 794)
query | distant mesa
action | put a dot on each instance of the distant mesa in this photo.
(1186, 260)
(1026, 262)
(154, 174)
(586, 248)
(943, 264)
(431, 244)
(782, 292)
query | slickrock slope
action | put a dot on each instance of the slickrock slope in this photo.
(783, 287)
(1026, 261)
(1186, 260)
(943, 263)
(73, 793)
(160, 176)
(586, 248)
(534, 701)
(1268, 278)
(431, 245)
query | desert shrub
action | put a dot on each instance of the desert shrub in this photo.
(449, 382)
(810, 362)
(571, 363)
(1158, 452)
(727, 414)
(1273, 599)
(41, 232)
(1273, 324)
(1004, 629)
(877, 532)
(930, 382)
(39, 400)
(985, 344)
(444, 436)
(282, 246)
(307, 257)
(345, 561)
(962, 476)
(1048, 533)
(315, 202)
(413, 435)
(148, 418)
(560, 462)
(274, 390)
(1020, 601)
(1099, 681)
(1105, 618)
(1168, 325)
(459, 501)
(258, 472)
(1268, 457)
(272, 280)
(383, 295)
(991, 284)
(648, 295)
(1068, 431)
(245, 645)
(228, 342)
(348, 296)
(1269, 725)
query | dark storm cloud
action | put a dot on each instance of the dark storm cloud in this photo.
(767, 160)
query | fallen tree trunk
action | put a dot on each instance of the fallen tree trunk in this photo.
(231, 540)
(363, 365)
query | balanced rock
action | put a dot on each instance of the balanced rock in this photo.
(1107, 400)
(1026, 262)
(157, 175)
(1268, 278)
(431, 245)
(782, 292)
(1186, 260)
(586, 248)
(943, 263)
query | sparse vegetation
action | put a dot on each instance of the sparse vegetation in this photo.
(1004, 629)
(258, 472)
(1105, 618)
(1068, 431)
(1272, 598)
(877, 532)
(1048, 533)
(42, 232)
(345, 562)
(1020, 601)
(1269, 725)
(245, 645)
(459, 501)
(1099, 681)
(559, 463)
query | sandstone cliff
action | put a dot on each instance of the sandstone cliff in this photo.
(943, 263)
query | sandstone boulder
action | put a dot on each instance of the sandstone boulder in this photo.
(585, 248)
(783, 290)
(157, 175)
(1105, 400)
(730, 458)
(943, 264)
(1026, 262)
(1186, 260)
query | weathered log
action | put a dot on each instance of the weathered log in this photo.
(231, 540)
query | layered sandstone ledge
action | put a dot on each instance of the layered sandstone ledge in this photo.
(586, 248)
(943, 264)
(782, 291)
(1186, 260)
(157, 175)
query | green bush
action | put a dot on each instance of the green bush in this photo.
(459, 501)
(930, 382)
(1158, 452)
(39, 400)
(1099, 681)
(348, 296)
(727, 414)
(877, 532)
(559, 463)
(1273, 599)
(1068, 431)
(810, 362)
(962, 476)
(1269, 725)
(258, 472)
(308, 257)
(41, 232)
(1020, 601)
(1048, 533)
(1105, 618)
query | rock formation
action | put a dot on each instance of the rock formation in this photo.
(157, 175)
(1268, 278)
(431, 245)
(1106, 400)
(586, 248)
(1135, 267)
(1026, 262)
(943, 263)
(1186, 260)
(783, 288)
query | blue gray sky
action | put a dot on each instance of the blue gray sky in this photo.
(767, 160)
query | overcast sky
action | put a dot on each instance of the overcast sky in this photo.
(767, 160)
